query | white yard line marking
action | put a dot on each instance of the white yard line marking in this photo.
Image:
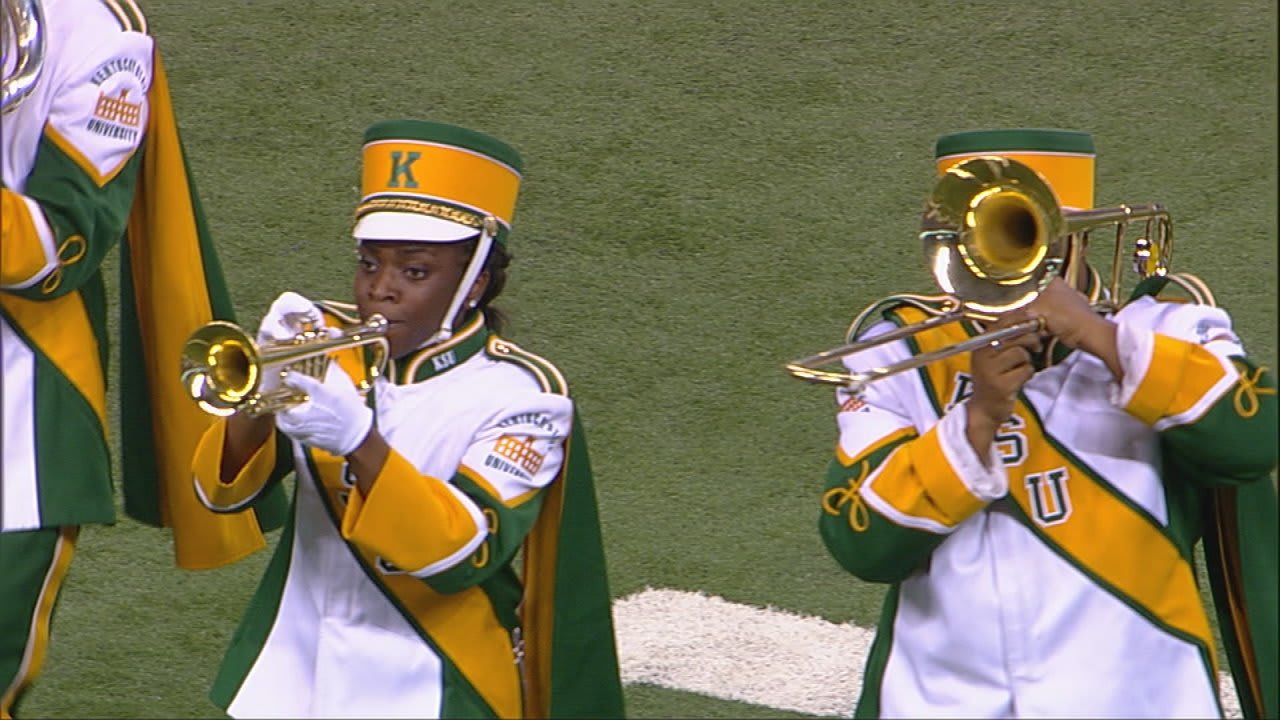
(763, 656)
(708, 645)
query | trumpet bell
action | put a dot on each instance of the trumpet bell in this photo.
(223, 368)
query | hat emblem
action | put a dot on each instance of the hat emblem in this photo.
(402, 167)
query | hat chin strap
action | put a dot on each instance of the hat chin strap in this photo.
(474, 266)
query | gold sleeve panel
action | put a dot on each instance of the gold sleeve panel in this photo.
(23, 255)
(411, 520)
(207, 468)
(918, 483)
(1178, 376)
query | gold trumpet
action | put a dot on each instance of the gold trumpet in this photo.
(994, 236)
(223, 368)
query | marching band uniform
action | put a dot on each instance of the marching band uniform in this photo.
(90, 156)
(1056, 579)
(70, 165)
(406, 602)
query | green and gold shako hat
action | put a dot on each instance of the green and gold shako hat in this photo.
(425, 181)
(1064, 158)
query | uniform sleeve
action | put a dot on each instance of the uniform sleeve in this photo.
(894, 492)
(73, 206)
(461, 530)
(268, 466)
(1186, 375)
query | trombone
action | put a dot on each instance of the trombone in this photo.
(223, 368)
(994, 235)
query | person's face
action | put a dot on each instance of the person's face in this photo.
(411, 284)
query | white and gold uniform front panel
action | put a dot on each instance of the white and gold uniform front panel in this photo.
(1024, 589)
(383, 606)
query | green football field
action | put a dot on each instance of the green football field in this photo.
(712, 189)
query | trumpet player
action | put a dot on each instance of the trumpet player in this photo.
(394, 591)
(90, 159)
(1034, 506)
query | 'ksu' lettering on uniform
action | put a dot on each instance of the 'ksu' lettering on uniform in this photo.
(1049, 496)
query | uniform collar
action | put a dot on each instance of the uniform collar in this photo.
(426, 363)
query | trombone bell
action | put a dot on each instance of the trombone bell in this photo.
(1007, 236)
(993, 236)
(223, 368)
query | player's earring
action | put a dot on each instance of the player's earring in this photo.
(471, 304)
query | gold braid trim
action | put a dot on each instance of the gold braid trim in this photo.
(421, 207)
(832, 500)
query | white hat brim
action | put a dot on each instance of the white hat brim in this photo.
(410, 227)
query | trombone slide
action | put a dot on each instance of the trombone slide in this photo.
(857, 381)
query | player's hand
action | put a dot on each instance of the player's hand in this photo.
(288, 316)
(1066, 313)
(999, 371)
(334, 417)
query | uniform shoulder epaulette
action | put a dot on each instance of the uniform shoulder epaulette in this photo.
(128, 14)
(547, 374)
(346, 312)
(886, 309)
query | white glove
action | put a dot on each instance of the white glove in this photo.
(285, 318)
(334, 418)
(282, 323)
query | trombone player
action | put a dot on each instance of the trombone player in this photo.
(1034, 505)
